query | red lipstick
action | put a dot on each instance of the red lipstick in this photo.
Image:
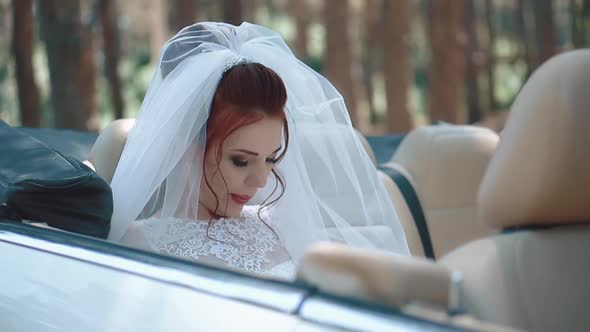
(240, 199)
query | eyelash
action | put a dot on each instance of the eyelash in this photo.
(243, 163)
(239, 163)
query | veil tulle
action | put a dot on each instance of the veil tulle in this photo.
(332, 188)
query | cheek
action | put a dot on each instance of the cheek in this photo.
(231, 179)
(233, 176)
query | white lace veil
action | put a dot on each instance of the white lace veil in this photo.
(332, 189)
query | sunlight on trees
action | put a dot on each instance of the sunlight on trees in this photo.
(398, 64)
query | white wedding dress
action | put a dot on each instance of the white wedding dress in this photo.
(244, 243)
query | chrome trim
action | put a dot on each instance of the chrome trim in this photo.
(455, 289)
(355, 316)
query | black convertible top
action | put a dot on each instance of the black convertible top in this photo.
(43, 184)
(76, 144)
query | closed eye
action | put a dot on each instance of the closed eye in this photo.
(272, 160)
(239, 163)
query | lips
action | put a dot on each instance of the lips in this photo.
(240, 199)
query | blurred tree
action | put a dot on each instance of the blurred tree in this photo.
(447, 60)
(472, 63)
(232, 11)
(546, 29)
(158, 27)
(338, 56)
(372, 29)
(580, 22)
(525, 29)
(249, 9)
(491, 55)
(300, 13)
(22, 48)
(72, 70)
(396, 64)
(183, 13)
(110, 34)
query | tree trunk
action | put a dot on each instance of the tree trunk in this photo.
(72, 69)
(525, 24)
(373, 42)
(447, 61)
(546, 26)
(300, 13)
(585, 25)
(158, 28)
(232, 12)
(110, 35)
(338, 60)
(491, 61)
(22, 47)
(183, 14)
(474, 113)
(396, 64)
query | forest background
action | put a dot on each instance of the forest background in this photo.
(79, 64)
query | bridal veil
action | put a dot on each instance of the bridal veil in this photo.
(332, 191)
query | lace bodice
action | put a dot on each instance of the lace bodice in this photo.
(244, 243)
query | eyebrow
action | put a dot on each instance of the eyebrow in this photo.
(252, 152)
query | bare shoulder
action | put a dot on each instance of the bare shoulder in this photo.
(107, 149)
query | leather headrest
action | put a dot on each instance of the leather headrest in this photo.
(444, 158)
(367, 146)
(540, 174)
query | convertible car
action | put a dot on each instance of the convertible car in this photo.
(497, 226)
(68, 281)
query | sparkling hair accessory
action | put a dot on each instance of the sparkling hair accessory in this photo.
(237, 60)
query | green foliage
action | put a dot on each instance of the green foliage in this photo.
(136, 66)
(136, 72)
(8, 94)
(509, 80)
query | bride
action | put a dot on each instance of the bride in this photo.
(243, 156)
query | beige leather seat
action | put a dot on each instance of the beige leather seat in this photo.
(445, 164)
(418, 287)
(399, 203)
(367, 146)
(376, 276)
(404, 214)
(537, 277)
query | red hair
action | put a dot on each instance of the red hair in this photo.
(246, 94)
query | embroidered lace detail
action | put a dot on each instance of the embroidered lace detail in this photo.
(243, 243)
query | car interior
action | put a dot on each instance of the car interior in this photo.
(515, 235)
(496, 223)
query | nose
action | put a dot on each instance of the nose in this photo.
(257, 178)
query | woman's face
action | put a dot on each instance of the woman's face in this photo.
(248, 156)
